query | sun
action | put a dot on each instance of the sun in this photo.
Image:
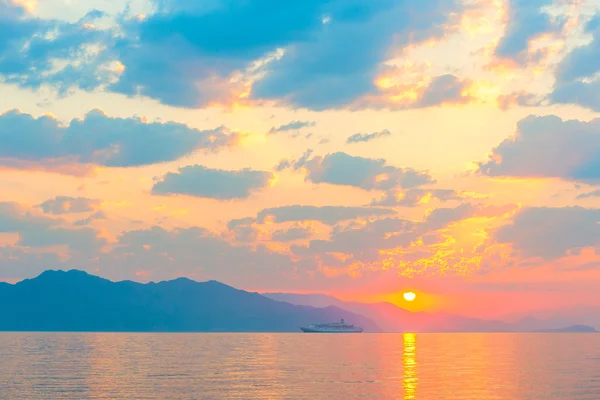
(410, 296)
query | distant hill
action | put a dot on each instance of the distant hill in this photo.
(392, 318)
(571, 329)
(77, 301)
(552, 318)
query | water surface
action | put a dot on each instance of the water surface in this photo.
(298, 366)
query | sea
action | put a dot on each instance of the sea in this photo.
(299, 366)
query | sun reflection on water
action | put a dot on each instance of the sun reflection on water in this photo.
(411, 381)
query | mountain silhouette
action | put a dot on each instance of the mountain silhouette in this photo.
(76, 301)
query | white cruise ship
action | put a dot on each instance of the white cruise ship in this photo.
(336, 327)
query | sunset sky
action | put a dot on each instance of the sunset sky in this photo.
(358, 148)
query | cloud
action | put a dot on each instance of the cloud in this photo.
(80, 239)
(577, 75)
(244, 230)
(329, 215)
(34, 52)
(292, 126)
(296, 232)
(416, 197)
(240, 222)
(394, 242)
(66, 205)
(377, 242)
(548, 147)
(160, 252)
(595, 193)
(17, 263)
(527, 20)
(363, 241)
(98, 215)
(359, 247)
(365, 173)
(185, 56)
(519, 98)
(550, 233)
(339, 62)
(97, 139)
(199, 181)
(367, 137)
(398, 92)
(38, 231)
(444, 89)
(441, 217)
(313, 54)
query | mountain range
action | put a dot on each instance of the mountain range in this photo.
(77, 301)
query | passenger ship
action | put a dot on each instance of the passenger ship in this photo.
(336, 327)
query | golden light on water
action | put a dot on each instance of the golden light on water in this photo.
(411, 380)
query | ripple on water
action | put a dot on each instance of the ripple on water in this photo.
(296, 366)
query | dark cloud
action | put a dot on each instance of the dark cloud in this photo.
(199, 181)
(100, 140)
(366, 173)
(527, 20)
(577, 79)
(292, 126)
(367, 137)
(550, 233)
(549, 147)
(66, 205)
(328, 214)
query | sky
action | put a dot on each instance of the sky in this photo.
(358, 148)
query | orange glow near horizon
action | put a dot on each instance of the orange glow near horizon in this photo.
(421, 301)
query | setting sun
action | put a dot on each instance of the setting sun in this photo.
(410, 296)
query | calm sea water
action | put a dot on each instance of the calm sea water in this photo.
(298, 366)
